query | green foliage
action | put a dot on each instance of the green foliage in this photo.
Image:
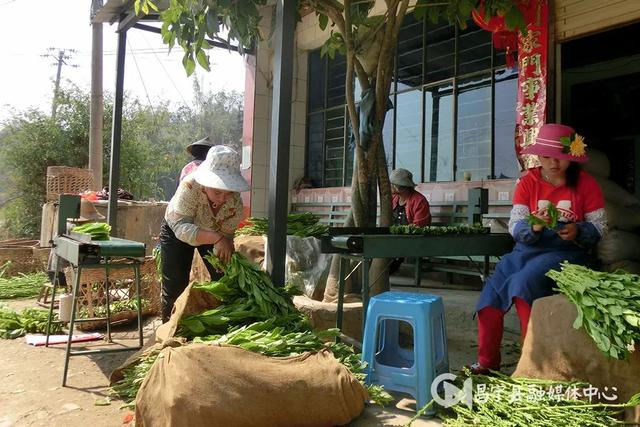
(458, 11)
(187, 23)
(152, 154)
(608, 306)
(333, 45)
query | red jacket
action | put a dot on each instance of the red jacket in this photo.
(416, 207)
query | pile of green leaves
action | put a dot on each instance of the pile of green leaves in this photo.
(22, 285)
(439, 230)
(273, 338)
(97, 230)
(553, 214)
(608, 306)
(525, 402)
(298, 224)
(30, 320)
(247, 293)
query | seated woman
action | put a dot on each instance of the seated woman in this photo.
(520, 278)
(409, 206)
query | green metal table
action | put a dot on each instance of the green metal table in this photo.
(377, 243)
(82, 254)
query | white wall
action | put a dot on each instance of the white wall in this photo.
(308, 37)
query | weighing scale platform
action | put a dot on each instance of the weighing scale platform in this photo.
(83, 253)
(364, 245)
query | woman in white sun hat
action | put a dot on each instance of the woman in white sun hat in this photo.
(203, 214)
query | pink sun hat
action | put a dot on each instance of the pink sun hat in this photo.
(560, 142)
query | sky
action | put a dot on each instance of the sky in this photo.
(31, 27)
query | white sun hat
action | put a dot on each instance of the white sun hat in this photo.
(221, 170)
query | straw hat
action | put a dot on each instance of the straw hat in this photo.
(205, 142)
(402, 178)
(559, 142)
(221, 170)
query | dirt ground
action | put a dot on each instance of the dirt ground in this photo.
(31, 377)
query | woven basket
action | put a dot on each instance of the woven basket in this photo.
(92, 296)
(67, 180)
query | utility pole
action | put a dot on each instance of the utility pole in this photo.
(96, 118)
(60, 59)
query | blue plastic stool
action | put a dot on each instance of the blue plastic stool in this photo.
(396, 368)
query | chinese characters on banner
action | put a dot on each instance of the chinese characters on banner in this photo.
(532, 78)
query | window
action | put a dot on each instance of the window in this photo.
(329, 160)
(454, 115)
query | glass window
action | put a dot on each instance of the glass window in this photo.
(336, 72)
(473, 145)
(438, 133)
(387, 137)
(315, 142)
(454, 113)
(440, 40)
(334, 147)
(317, 84)
(474, 50)
(505, 161)
(409, 53)
(408, 131)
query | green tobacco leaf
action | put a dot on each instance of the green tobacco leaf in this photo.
(189, 64)
(203, 59)
(578, 322)
(323, 21)
(554, 214)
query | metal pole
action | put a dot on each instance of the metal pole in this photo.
(116, 135)
(280, 138)
(97, 108)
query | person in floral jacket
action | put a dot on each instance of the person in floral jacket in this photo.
(203, 214)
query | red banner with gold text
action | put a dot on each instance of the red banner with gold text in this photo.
(532, 78)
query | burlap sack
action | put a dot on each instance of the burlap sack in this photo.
(191, 301)
(207, 385)
(622, 217)
(251, 247)
(554, 350)
(618, 245)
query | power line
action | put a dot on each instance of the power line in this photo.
(166, 72)
(135, 61)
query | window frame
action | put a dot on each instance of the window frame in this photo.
(454, 81)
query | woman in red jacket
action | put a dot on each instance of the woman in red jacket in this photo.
(409, 206)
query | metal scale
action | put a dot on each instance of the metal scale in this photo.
(83, 253)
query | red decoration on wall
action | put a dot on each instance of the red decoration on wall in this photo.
(532, 67)
(532, 78)
(502, 37)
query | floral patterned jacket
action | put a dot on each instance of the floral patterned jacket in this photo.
(189, 211)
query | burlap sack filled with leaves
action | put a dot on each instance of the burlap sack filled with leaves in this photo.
(207, 385)
(554, 350)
